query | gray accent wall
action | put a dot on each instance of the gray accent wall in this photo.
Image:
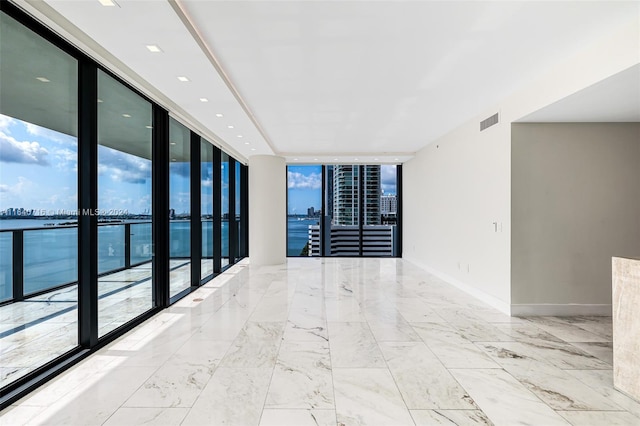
(575, 192)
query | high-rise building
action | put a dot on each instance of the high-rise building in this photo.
(388, 204)
(346, 194)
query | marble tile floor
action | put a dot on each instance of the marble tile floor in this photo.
(339, 342)
(35, 331)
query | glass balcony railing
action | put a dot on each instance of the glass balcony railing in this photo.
(47, 258)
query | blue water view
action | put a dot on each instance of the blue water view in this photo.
(51, 254)
(298, 234)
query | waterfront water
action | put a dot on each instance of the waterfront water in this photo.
(298, 234)
(51, 254)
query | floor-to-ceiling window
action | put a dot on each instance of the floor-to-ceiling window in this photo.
(224, 209)
(207, 180)
(304, 210)
(124, 204)
(343, 210)
(179, 207)
(38, 201)
(238, 209)
(96, 194)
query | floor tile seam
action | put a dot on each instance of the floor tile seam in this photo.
(333, 385)
(599, 410)
(388, 369)
(599, 392)
(523, 383)
(537, 358)
(510, 375)
(159, 367)
(273, 369)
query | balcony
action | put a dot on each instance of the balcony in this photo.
(39, 288)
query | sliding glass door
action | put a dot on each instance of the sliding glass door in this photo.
(38, 201)
(99, 198)
(124, 204)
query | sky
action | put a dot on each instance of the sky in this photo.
(304, 185)
(38, 170)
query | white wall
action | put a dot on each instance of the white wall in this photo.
(457, 186)
(267, 210)
(453, 192)
(575, 204)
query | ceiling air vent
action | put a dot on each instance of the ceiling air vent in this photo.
(484, 124)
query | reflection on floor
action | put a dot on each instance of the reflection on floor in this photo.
(39, 329)
(339, 341)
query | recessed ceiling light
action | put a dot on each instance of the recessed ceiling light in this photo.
(239, 136)
(43, 79)
(183, 78)
(315, 159)
(395, 159)
(375, 159)
(253, 149)
(100, 101)
(355, 159)
(295, 159)
(172, 143)
(247, 143)
(108, 3)
(219, 115)
(154, 48)
(149, 127)
(335, 159)
(126, 115)
(204, 100)
(229, 127)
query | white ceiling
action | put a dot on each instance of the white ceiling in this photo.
(339, 80)
(615, 99)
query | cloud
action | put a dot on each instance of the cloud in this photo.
(5, 123)
(4, 188)
(21, 187)
(50, 135)
(122, 167)
(67, 159)
(296, 180)
(180, 169)
(388, 179)
(14, 151)
(388, 175)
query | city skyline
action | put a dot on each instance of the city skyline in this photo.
(304, 186)
(39, 172)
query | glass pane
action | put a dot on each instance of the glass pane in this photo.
(389, 207)
(140, 234)
(238, 212)
(6, 265)
(179, 207)
(345, 220)
(206, 213)
(224, 186)
(124, 198)
(110, 248)
(50, 258)
(38, 191)
(304, 195)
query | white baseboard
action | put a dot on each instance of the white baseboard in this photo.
(490, 300)
(559, 310)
